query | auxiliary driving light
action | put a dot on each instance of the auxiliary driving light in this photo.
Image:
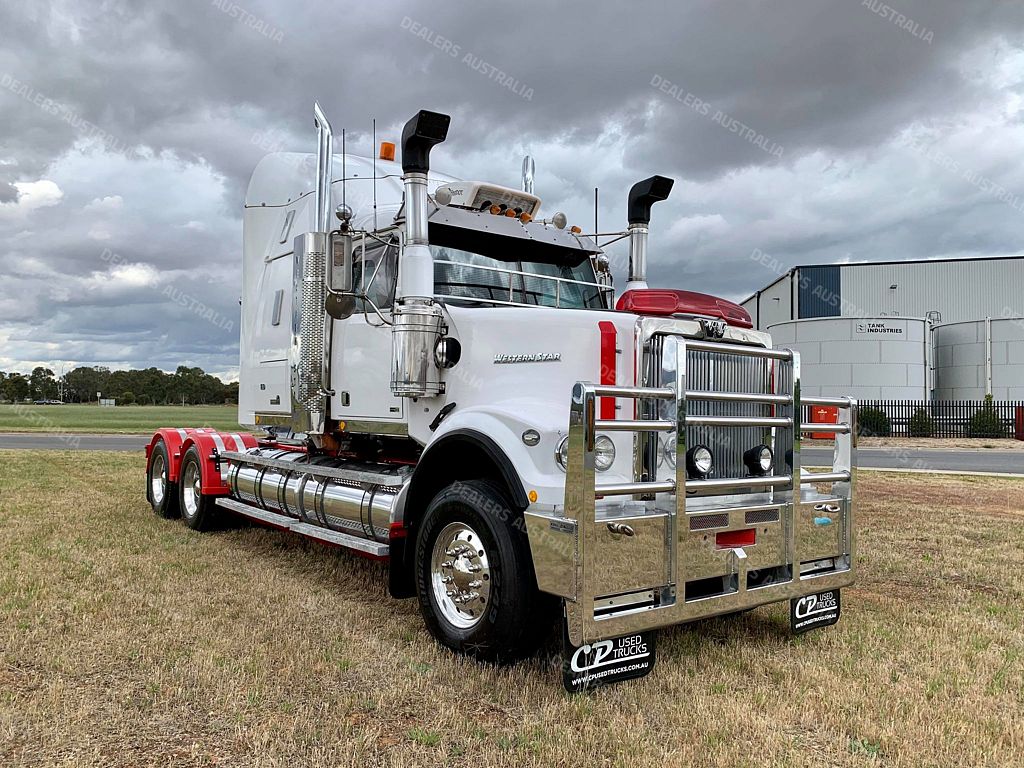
(699, 462)
(758, 460)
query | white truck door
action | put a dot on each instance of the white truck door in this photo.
(361, 357)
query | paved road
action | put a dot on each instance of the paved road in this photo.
(41, 441)
(965, 460)
(950, 459)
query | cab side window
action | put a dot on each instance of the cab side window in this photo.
(375, 273)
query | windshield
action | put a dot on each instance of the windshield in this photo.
(466, 274)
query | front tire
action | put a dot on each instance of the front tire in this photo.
(198, 510)
(474, 575)
(162, 493)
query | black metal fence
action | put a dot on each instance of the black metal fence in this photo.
(941, 418)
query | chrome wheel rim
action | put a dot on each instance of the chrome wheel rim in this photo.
(158, 479)
(460, 575)
(191, 489)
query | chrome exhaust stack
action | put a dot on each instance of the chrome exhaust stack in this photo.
(310, 358)
(324, 168)
(418, 320)
(529, 171)
(642, 196)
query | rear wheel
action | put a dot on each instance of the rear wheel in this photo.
(163, 494)
(474, 575)
(198, 510)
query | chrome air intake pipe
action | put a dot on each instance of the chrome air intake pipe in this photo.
(418, 320)
(310, 357)
(360, 509)
(642, 196)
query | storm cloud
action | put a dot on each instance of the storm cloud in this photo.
(815, 132)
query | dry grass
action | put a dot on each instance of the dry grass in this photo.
(127, 640)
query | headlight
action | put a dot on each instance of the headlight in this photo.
(699, 462)
(758, 460)
(604, 453)
(562, 453)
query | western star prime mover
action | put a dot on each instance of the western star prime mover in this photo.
(446, 380)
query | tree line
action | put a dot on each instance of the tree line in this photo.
(150, 386)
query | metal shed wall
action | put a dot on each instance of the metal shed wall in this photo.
(961, 290)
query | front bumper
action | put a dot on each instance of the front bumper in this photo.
(631, 557)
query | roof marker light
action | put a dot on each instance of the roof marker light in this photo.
(387, 150)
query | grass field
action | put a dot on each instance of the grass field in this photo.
(127, 640)
(122, 418)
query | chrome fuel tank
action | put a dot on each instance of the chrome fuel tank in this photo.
(322, 491)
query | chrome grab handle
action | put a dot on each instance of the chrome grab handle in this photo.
(621, 528)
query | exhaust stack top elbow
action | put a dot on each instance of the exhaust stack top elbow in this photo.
(420, 135)
(642, 196)
(424, 130)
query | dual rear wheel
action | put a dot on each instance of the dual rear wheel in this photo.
(185, 498)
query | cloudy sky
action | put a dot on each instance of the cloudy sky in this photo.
(813, 132)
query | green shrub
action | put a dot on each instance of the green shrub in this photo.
(921, 424)
(986, 422)
(871, 422)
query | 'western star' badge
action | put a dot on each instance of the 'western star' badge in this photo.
(536, 357)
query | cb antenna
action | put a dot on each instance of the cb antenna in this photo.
(373, 154)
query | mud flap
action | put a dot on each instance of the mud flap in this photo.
(593, 665)
(814, 611)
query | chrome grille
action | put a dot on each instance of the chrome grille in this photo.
(728, 373)
(719, 372)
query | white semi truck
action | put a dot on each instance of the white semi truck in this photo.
(447, 382)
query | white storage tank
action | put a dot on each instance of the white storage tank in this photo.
(979, 357)
(869, 358)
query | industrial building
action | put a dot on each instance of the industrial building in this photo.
(939, 329)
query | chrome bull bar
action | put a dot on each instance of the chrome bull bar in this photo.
(644, 556)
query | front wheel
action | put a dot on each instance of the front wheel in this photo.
(198, 510)
(474, 575)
